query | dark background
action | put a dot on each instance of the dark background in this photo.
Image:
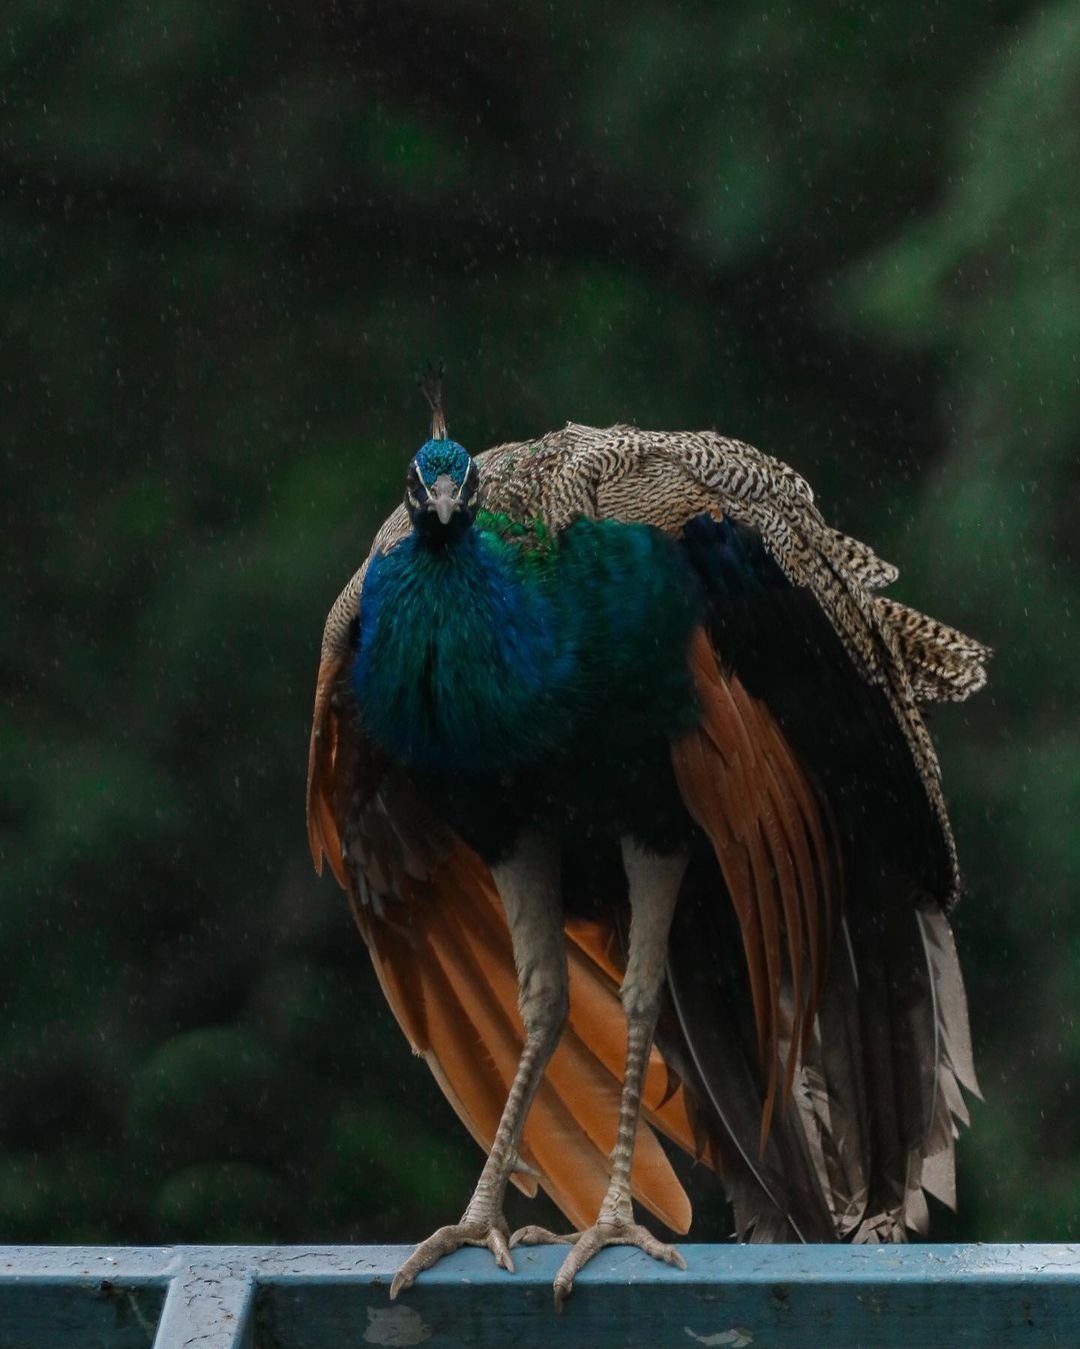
(229, 234)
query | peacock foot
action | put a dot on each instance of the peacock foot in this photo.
(610, 1229)
(491, 1232)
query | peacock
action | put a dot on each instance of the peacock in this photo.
(618, 754)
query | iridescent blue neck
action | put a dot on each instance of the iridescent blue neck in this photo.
(457, 649)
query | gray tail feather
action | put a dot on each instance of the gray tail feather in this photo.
(878, 1095)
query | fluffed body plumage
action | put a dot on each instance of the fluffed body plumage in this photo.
(653, 641)
(526, 678)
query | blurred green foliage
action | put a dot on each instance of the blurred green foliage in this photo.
(228, 234)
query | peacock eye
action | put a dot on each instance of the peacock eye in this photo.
(414, 486)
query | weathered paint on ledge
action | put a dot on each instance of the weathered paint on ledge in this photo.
(730, 1297)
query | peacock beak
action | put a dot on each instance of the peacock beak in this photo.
(444, 497)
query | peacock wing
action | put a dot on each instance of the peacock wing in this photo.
(823, 686)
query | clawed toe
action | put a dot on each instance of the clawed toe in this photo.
(608, 1231)
(449, 1239)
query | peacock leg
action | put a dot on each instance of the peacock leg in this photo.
(654, 888)
(528, 885)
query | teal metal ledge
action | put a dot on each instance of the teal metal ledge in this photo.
(730, 1297)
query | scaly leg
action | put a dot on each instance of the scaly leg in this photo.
(528, 885)
(654, 889)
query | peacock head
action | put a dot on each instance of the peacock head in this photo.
(440, 489)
